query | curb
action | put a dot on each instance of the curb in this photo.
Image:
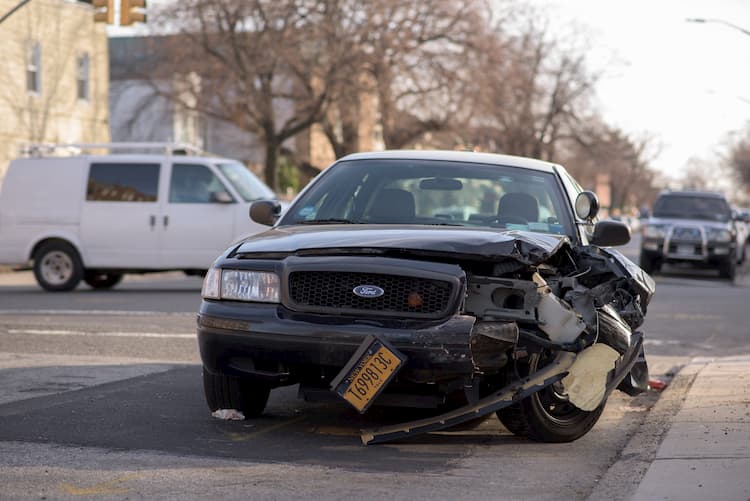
(626, 473)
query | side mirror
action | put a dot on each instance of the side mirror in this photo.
(265, 212)
(610, 234)
(587, 205)
(221, 197)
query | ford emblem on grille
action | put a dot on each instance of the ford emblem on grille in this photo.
(368, 291)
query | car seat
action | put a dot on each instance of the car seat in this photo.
(392, 206)
(517, 208)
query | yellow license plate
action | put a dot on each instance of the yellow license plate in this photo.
(367, 373)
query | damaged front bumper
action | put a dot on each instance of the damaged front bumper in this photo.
(279, 347)
(509, 395)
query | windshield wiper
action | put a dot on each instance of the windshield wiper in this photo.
(327, 221)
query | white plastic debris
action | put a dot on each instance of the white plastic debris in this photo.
(586, 381)
(228, 414)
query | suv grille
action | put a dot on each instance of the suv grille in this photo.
(686, 233)
(333, 290)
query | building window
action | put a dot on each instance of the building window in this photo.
(82, 76)
(34, 68)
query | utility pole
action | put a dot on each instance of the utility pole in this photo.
(13, 10)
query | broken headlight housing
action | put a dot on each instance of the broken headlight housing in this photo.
(718, 235)
(654, 231)
(241, 285)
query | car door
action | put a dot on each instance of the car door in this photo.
(119, 215)
(198, 216)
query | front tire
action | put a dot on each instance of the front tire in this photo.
(57, 266)
(547, 415)
(728, 268)
(649, 264)
(229, 392)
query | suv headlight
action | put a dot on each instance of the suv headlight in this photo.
(241, 285)
(718, 235)
(654, 231)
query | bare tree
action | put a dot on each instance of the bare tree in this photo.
(265, 66)
(533, 94)
(739, 158)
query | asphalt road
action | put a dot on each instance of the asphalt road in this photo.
(100, 395)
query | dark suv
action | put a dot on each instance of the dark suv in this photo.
(697, 228)
(469, 283)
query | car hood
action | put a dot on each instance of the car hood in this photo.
(669, 221)
(526, 247)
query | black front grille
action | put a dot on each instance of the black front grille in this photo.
(334, 290)
(686, 233)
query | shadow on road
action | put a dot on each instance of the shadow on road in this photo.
(166, 413)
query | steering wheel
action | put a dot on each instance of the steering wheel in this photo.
(511, 219)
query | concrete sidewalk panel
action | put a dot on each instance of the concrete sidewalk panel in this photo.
(686, 479)
(706, 440)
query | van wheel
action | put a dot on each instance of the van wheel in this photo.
(57, 266)
(101, 280)
(228, 392)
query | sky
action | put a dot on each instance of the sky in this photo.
(686, 83)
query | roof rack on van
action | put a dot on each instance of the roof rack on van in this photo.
(44, 149)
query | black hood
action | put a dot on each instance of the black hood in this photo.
(526, 247)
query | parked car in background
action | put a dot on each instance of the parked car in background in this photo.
(431, 279)
(691, 227)
(95, 217)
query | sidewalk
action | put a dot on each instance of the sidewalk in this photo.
(706, 452)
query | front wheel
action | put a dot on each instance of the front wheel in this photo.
(649, 264)
(728, 268)
(547, 415)
(229, 392)
(57, 266)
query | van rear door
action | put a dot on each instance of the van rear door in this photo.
(120, 214)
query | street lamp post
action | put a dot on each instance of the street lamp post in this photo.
(719, 21)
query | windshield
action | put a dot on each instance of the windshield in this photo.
(247, 185)
(428, 192)
(691, 207)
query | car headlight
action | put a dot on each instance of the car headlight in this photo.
(653, 231)
(718, 235)
(241, 285)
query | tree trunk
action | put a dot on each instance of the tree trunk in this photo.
(271, 169)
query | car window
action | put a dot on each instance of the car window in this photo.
(692, 207)
(123, 182)
(193, 184)
(435, 193)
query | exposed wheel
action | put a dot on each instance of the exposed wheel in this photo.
(728, 268)
(648, 264)
(228, 392)
(100, 280)
(57, 266)
(547, 415)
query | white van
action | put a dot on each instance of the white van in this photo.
(95, 217)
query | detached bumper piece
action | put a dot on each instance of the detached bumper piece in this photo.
(505, 397)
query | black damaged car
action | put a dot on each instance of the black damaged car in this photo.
(470, 283)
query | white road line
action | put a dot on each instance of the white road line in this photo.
(45, 332)
(96, 312)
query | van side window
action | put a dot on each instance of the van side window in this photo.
(193, 184)
(123, 182)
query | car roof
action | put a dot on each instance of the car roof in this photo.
(454, 156)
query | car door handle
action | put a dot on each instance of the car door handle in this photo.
(166, 221)
(152, 221)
